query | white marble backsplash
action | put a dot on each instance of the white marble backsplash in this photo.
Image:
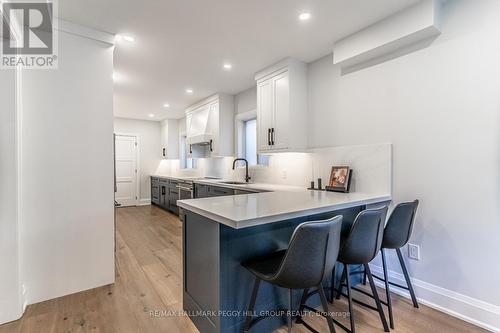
(371, 164)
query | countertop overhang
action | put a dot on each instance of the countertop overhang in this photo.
(243, 211)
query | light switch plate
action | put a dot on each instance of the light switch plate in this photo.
(413, 251)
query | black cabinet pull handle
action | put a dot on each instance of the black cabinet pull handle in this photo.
(268, 136)
(272, 136)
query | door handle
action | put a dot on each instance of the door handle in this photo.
(272, 136)
(268, 136)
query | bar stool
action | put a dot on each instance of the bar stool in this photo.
(359, 248)
(313, 250)
(397, 233)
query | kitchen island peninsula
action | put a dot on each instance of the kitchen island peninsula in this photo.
(221, 232)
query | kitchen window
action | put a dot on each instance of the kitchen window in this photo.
(246, 125)
(251, 141)
(186, 162)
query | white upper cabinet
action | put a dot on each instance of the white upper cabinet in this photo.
(264, 115)
(210, 124)
(282, 107)
(170, 139)
(282, 129)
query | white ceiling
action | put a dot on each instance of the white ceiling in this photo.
(183, 43)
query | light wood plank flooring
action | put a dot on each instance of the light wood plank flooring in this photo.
(149, 277)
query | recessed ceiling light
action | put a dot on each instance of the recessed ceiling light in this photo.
(189, 91)
(227, 66)
(304, 16)
(166, 105)
(151, 115)
(120, 77)
(129, 38)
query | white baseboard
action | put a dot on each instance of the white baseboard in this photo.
(144, 202)
(474, 311)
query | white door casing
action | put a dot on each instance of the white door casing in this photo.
(126, 170)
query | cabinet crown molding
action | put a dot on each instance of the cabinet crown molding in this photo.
(205, 101)
(277, 67)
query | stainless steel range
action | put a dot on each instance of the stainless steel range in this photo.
(186, 190)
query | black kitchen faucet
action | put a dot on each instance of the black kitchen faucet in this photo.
(247, 177)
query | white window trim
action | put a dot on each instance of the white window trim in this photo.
(239, 128)
(181, 134)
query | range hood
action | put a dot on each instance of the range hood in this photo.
(198, 129)
(210, 127)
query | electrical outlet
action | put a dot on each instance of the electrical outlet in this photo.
(413, 251)
(283, 174)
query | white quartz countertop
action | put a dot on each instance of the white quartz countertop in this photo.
(176, 177)
(242, 211)
(252, 187)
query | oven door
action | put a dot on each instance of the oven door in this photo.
(185, 192)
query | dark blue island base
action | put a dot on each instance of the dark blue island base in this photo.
(217, 290)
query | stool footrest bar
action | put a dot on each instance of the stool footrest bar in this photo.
(391, 283)
(339, 324)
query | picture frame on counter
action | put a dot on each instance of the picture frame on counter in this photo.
(340, 179)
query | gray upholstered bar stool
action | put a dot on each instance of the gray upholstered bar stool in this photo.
(312, 251)
(397, 233)
(359, 248)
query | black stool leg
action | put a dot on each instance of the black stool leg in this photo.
(332, 285)
(342, 278)
(377, 300)
(303, 301)
(407, 278)
(349, 296)
(251, 307)
(290, 309)
(387, 290)
(329, 319)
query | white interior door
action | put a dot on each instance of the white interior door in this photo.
(126, 169)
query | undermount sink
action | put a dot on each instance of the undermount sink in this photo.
(234, 183)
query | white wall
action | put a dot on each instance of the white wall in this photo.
(440, 107)
(10, 302)
(67, 172)
(246, 100)
(149, 149)
(182, 125)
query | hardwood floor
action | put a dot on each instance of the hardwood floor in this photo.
(149, 278)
